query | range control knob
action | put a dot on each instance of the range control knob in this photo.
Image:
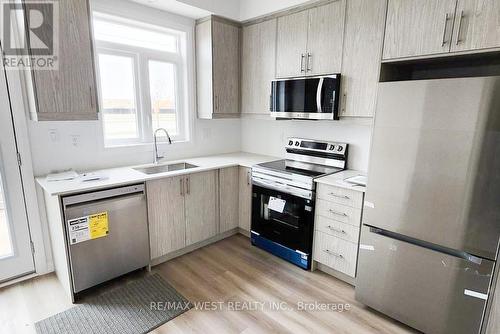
(340, 149)
(297, 143)
(332, 147)
(290, 143)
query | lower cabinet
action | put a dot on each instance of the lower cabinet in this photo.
(185, 210)
(201, 206)
(182, 210)
(245, 209)
(166, 215)
(337, 227)
(229, 198)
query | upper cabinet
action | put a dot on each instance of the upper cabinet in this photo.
(218, 68)
(310, 42)
(429, 27)
(68, 93)
(258, 66)
(418, 27)
(477, 25)
(364, 35)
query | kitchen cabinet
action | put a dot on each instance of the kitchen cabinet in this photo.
(229, 198)
(245, 209)
(68, 93)
(218, 68)
(477, 25)
(201, 206)
(428, 27)
(309, 42)
(166, 215)
(493, 325)
(415, 28)
(258, 66)
(337, 227)
(182, 210)
(364, 35)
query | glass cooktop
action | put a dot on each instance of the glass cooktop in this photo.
(300, 168)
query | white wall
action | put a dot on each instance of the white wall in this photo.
(270, 137)
(253, 8)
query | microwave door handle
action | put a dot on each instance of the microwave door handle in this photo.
(318, 95)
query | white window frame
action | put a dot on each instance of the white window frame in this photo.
(141, 57)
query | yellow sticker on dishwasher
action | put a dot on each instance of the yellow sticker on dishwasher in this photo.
(98, 225)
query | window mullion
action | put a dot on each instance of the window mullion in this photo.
(146, 100)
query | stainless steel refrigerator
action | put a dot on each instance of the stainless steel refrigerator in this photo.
(431, 220)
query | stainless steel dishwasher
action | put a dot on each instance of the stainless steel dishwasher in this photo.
(107, 234)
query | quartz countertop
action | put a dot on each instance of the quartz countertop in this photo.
(128, 175)
(337, 180)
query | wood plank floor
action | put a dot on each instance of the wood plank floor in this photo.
(237, 275)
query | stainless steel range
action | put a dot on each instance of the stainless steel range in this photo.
(283, 197)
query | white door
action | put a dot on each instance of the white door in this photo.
(16, 258)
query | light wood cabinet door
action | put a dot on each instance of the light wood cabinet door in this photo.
(245, 181)
(292, 45)
(325, 38)
(364, 35)
(229, 198)
(201, 206)
(167, 228)
(416, 28)
(226, 67)
(68, 93)
(493, 326)
(477, 25)
(258, 57)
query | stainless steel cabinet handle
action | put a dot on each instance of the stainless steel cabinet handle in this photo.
(182, 187)
(188, 184)
(333, 253)
(309, 62)
(249, 178)
(446, 18)
(216, 103)
(344, 102)
(460, 27)
(336, 229)
(338, 213)
(302, 58)
(339, 196)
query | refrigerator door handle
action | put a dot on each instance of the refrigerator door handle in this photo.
(445, 250)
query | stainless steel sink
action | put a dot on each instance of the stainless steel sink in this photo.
(165, 168)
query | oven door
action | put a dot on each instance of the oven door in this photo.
(292, 228)
(306, 98)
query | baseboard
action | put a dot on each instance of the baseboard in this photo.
(244, 232)
(337, 274)
(194, 247)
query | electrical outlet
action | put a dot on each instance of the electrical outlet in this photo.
(75, 140)
(54, 135)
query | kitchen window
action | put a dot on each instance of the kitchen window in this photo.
(142, 79)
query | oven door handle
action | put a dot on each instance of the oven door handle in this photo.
(307, 194)
(319, 94)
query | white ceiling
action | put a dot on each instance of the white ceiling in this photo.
(239, 10)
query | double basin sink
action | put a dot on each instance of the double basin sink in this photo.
(165, 168)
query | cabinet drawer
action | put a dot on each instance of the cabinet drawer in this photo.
(337, 229)
(338, 212)
(339, 195)
(335, 253)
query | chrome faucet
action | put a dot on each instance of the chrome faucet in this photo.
(157, 158)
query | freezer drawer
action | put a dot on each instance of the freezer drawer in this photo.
(431, 291)
(125, 248)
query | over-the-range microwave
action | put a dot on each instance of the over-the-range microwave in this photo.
(306, 98)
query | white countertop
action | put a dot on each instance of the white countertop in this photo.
(337, 180)
(128, 175)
